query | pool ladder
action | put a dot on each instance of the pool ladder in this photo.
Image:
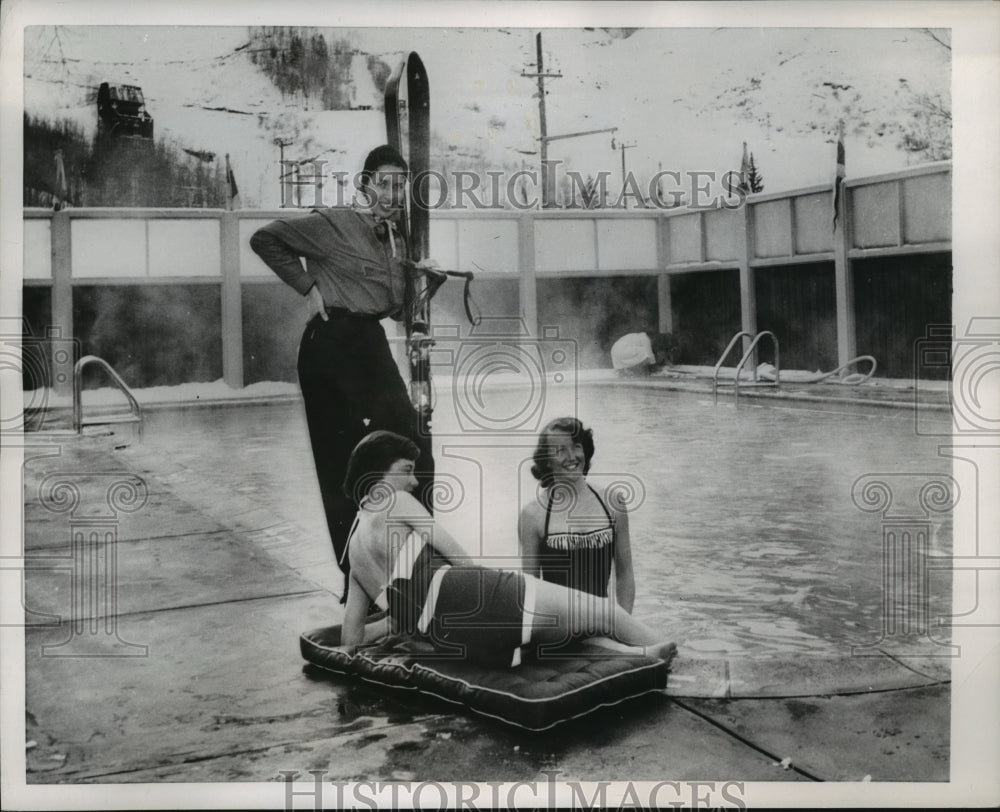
(79, 421)
(755, 340)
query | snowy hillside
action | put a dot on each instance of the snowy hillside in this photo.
(686, 98)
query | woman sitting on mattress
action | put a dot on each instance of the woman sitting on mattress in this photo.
(425, 580)
(571, 536)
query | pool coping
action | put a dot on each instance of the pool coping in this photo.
(803, 675)
(933, 397)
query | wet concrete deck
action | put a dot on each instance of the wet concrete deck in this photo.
(172, 655)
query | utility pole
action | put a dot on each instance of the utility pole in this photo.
(281, 144)
(623, 146)
(541, 76)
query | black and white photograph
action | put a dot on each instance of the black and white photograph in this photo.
(499, 405)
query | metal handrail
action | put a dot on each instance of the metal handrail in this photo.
(135, 411)
(755, 340)
(722, 358)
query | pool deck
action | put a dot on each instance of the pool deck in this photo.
(187, 668)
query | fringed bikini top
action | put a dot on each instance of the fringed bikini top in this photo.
(579, 560)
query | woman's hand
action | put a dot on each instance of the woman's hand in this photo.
(315, 303)
(428, 264)
(432, 273)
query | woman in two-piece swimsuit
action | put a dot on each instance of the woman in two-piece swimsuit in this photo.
(570, 535)
(425, 580)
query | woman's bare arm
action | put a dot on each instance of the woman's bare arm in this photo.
(624, 574)
(352, 632)
(529, 534)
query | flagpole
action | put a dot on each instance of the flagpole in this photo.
(745, 171)
(748, 296)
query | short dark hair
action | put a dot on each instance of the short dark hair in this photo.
(384, 155)
(371, 458)
(542, 467)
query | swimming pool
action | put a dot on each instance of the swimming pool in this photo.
(746, 533)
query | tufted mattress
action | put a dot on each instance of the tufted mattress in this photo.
(548, 688)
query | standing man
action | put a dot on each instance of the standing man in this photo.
(355, 274)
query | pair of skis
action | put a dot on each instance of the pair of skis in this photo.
(408, 130)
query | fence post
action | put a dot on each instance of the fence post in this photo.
(665, 315)
(748, 291)
(847, 337)
(232, 300)
(62, 303)
(527, 282)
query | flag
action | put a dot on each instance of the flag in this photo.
(232, 192)
(841, 173)
(62, 188)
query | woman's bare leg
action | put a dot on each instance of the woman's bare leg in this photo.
(562, 614)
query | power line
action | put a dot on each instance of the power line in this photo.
(577, 135)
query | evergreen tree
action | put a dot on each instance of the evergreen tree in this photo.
(754, 180)
(41, 140)
(302, 61)
(116, 171)
(590, 193)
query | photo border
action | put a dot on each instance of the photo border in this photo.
(976, 86)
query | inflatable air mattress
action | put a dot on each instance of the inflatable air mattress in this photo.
(541, 693)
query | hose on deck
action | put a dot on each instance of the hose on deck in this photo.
(853, 379)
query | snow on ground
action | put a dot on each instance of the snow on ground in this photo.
(687, 98)
(220, 392)
(187, 393)
(213, 391)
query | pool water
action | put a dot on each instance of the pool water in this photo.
(746, 538)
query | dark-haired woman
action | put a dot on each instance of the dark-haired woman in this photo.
(354, 276)
(403, 562)
(571, 535)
